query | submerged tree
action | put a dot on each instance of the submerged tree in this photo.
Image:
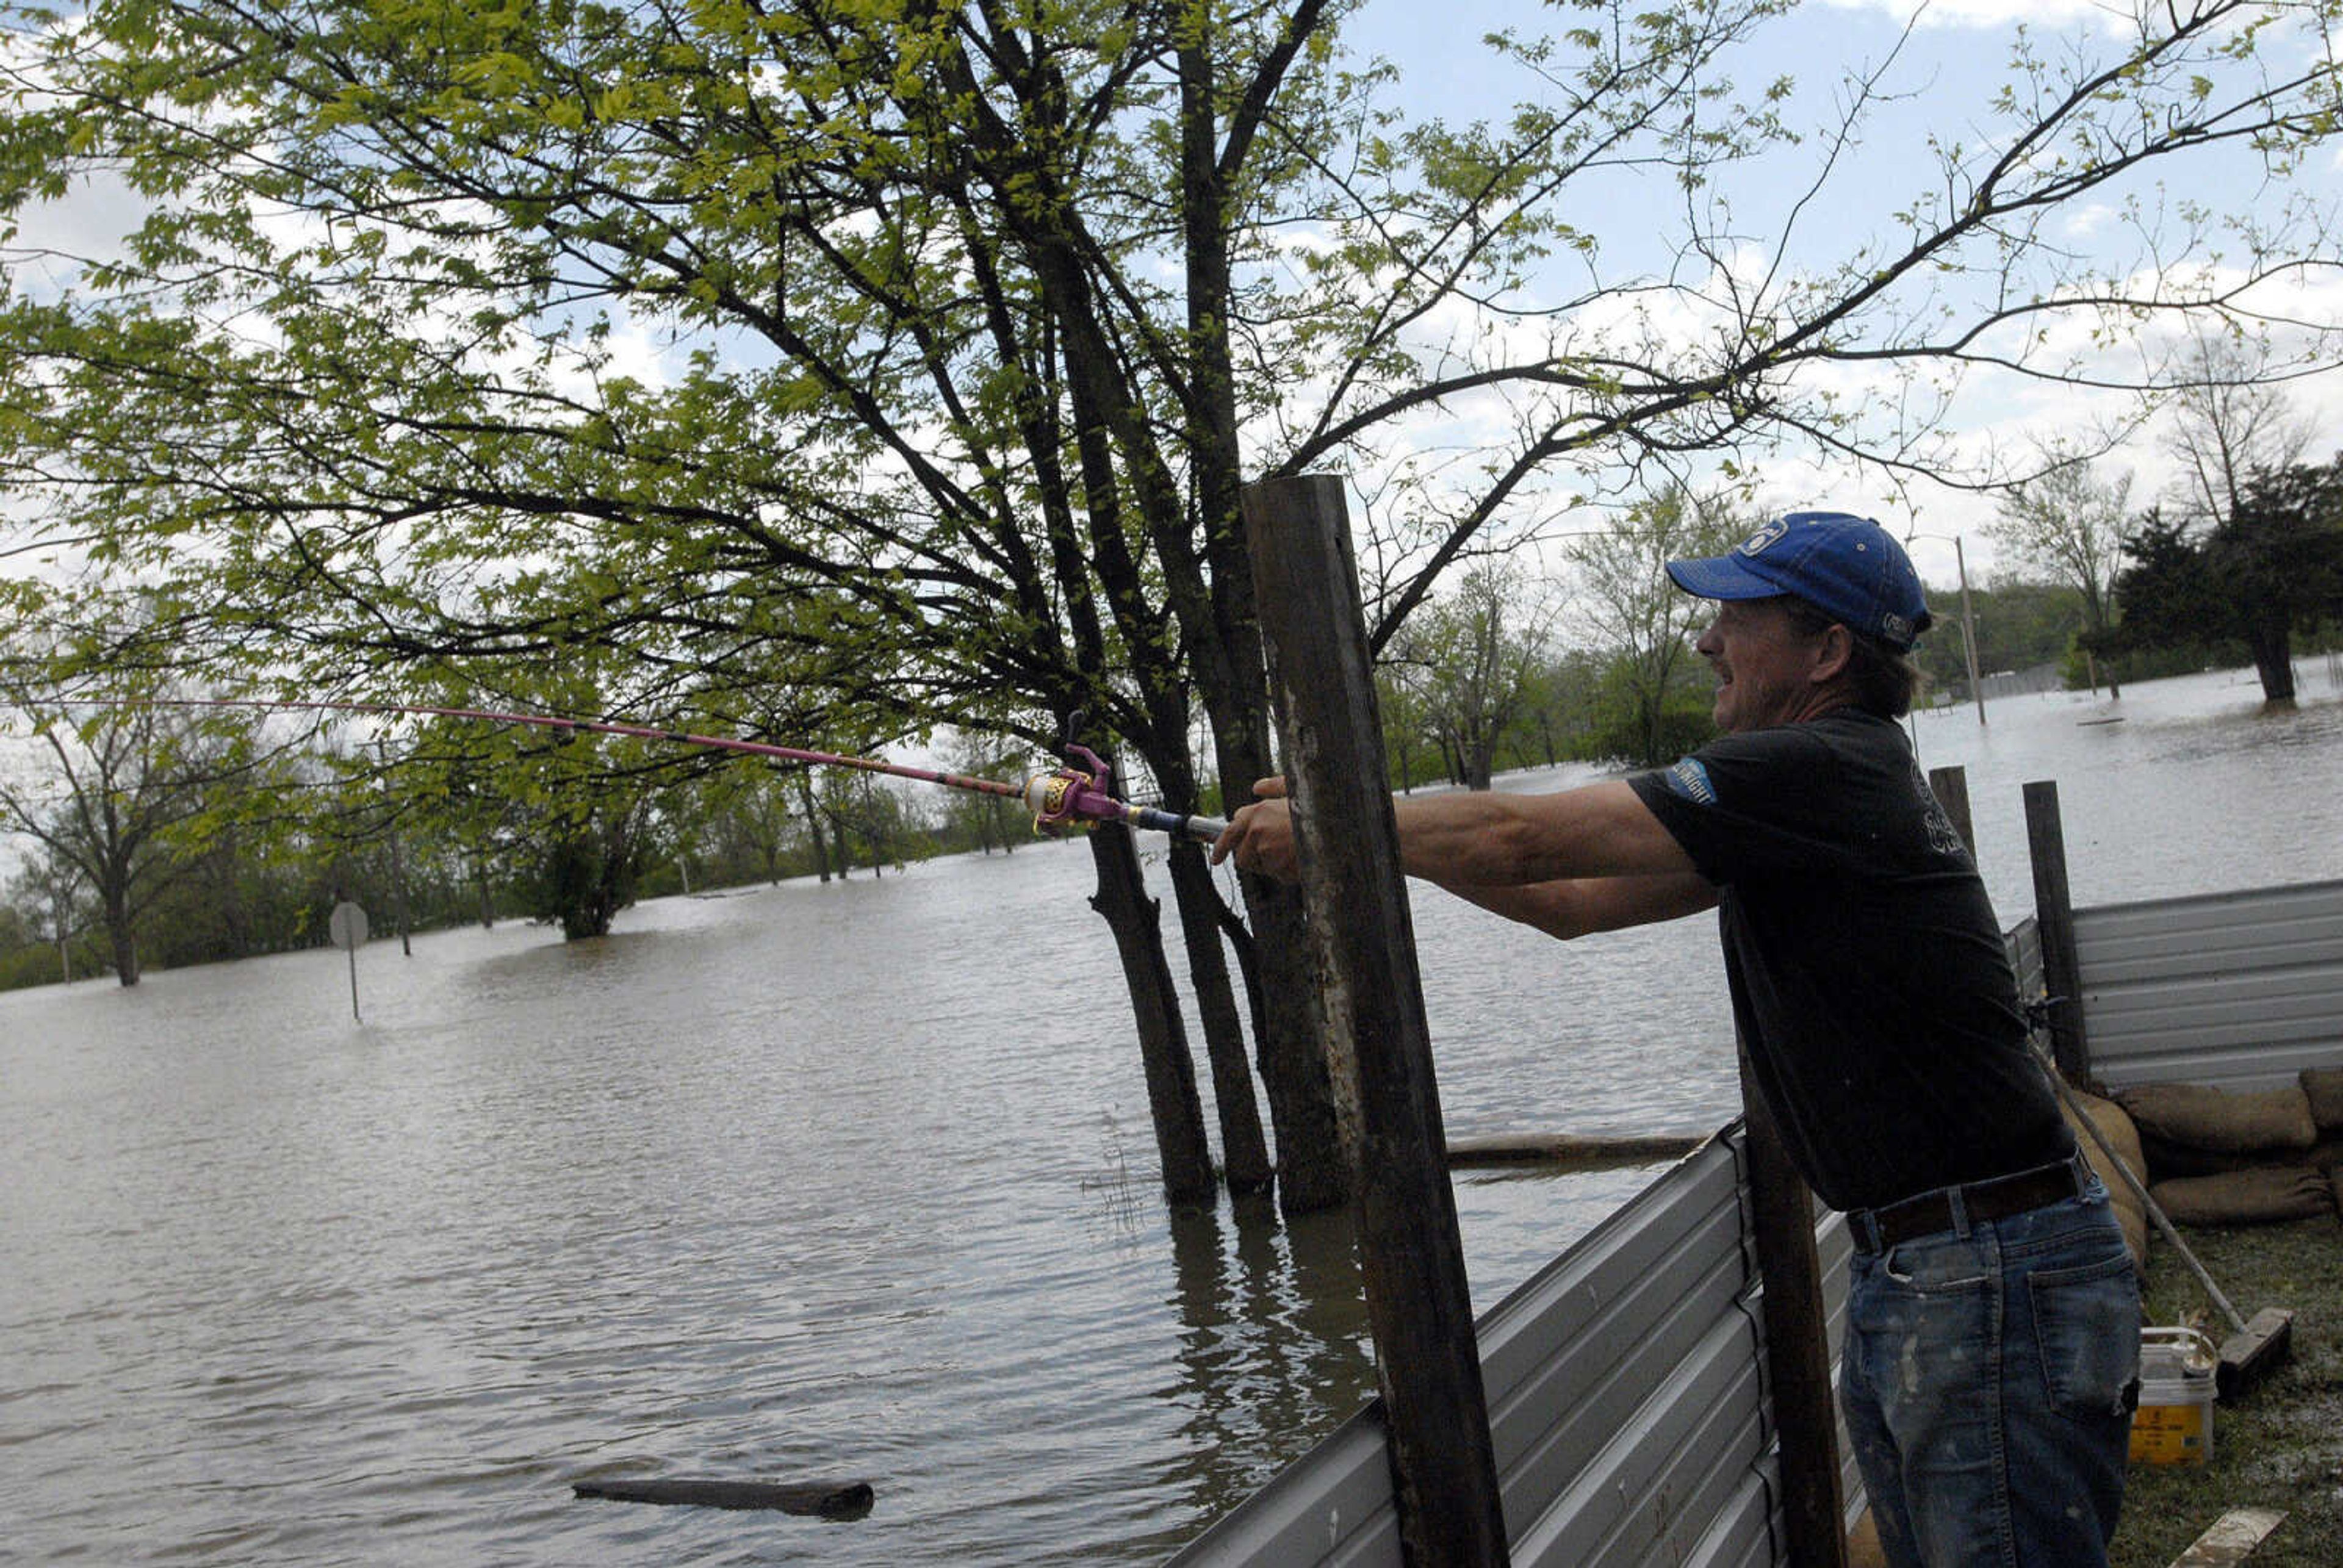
(1641, 619)
(2067, 522)
(2269, 570)
(126, 804)
(1472, 664)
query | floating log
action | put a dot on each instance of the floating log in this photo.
(1571, 1150)
(828, 1499)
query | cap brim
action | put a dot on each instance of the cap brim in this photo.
(1722, 577)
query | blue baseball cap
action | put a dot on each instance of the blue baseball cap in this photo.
(1847, 567)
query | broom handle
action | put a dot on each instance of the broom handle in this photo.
(2139, 1190)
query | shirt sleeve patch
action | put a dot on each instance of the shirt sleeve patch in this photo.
(1690, 780)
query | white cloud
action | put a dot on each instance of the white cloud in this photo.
(1994, 15)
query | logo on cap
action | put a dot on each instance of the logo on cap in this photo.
(1773, 533)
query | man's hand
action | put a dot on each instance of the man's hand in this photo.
(1260, 836)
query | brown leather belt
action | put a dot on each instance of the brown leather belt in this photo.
(1932, 1213)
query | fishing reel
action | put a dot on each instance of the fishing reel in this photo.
(1072, 801)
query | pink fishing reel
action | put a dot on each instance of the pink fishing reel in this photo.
(1071, 800)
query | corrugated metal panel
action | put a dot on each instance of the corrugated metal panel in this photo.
(2025, 943)
(1623, 1399)
(1625, 1381)
(2242, 990)
(1835, 1247)
(1743, 1531)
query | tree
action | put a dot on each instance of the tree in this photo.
(748, 817)
(969, 307)
(992, 820)
(2065, 521)
(48, 886)
(1475, 661)
(1636, 610)
(2272, 567)
(2230, 421)
(1406, 721)
(135, 786)
(2164, 589)
(2275, 564)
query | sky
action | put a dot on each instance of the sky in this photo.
(1949, 65)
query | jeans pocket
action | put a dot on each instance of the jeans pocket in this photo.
(2086, 1331)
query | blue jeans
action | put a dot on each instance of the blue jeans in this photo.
(1989, 1376)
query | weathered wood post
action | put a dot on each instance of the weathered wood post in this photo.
(1951, 788)
(1443, 1469)
(1798, 1341)
(2054, 918)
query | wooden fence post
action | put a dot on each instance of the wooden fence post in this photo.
(1443, 1469)
(1798, 1341)
(2053, 919)
(1951, 788)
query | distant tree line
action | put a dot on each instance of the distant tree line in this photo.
(164, 832)
(160, 837)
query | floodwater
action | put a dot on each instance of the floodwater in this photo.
(847, 1181)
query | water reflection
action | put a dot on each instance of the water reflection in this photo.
(1274, 1339)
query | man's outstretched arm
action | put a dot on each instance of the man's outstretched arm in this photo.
(1588, 859)
(1582, 906)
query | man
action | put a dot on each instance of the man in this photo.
(1992, 1359)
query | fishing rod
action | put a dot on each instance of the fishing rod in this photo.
(1071, 799)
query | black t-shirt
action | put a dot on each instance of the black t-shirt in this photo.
(1868, 976)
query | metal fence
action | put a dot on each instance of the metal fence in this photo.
(2241, 991)
(1626, 1404)
(1626, 1382)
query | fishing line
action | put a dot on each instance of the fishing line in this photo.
(1074, 797)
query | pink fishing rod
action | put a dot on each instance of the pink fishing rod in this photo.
(1068, 798)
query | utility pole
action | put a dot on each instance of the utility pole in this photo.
(1969, 628)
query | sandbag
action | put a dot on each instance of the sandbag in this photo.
(1863, 1548)
(2323, 1086)
(2166, 1159)
(2220, 1120)
(2263, 1196)
(2119, 1131)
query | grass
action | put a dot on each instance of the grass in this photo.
(2281, 1446)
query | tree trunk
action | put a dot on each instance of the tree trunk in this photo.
(2091, 674)
(813, 824)
(1120, 455)
(119, 931)
(1178, 1116)
(1245, 1155)
(1480, 755)
(1231, 673)
(2273, 649)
